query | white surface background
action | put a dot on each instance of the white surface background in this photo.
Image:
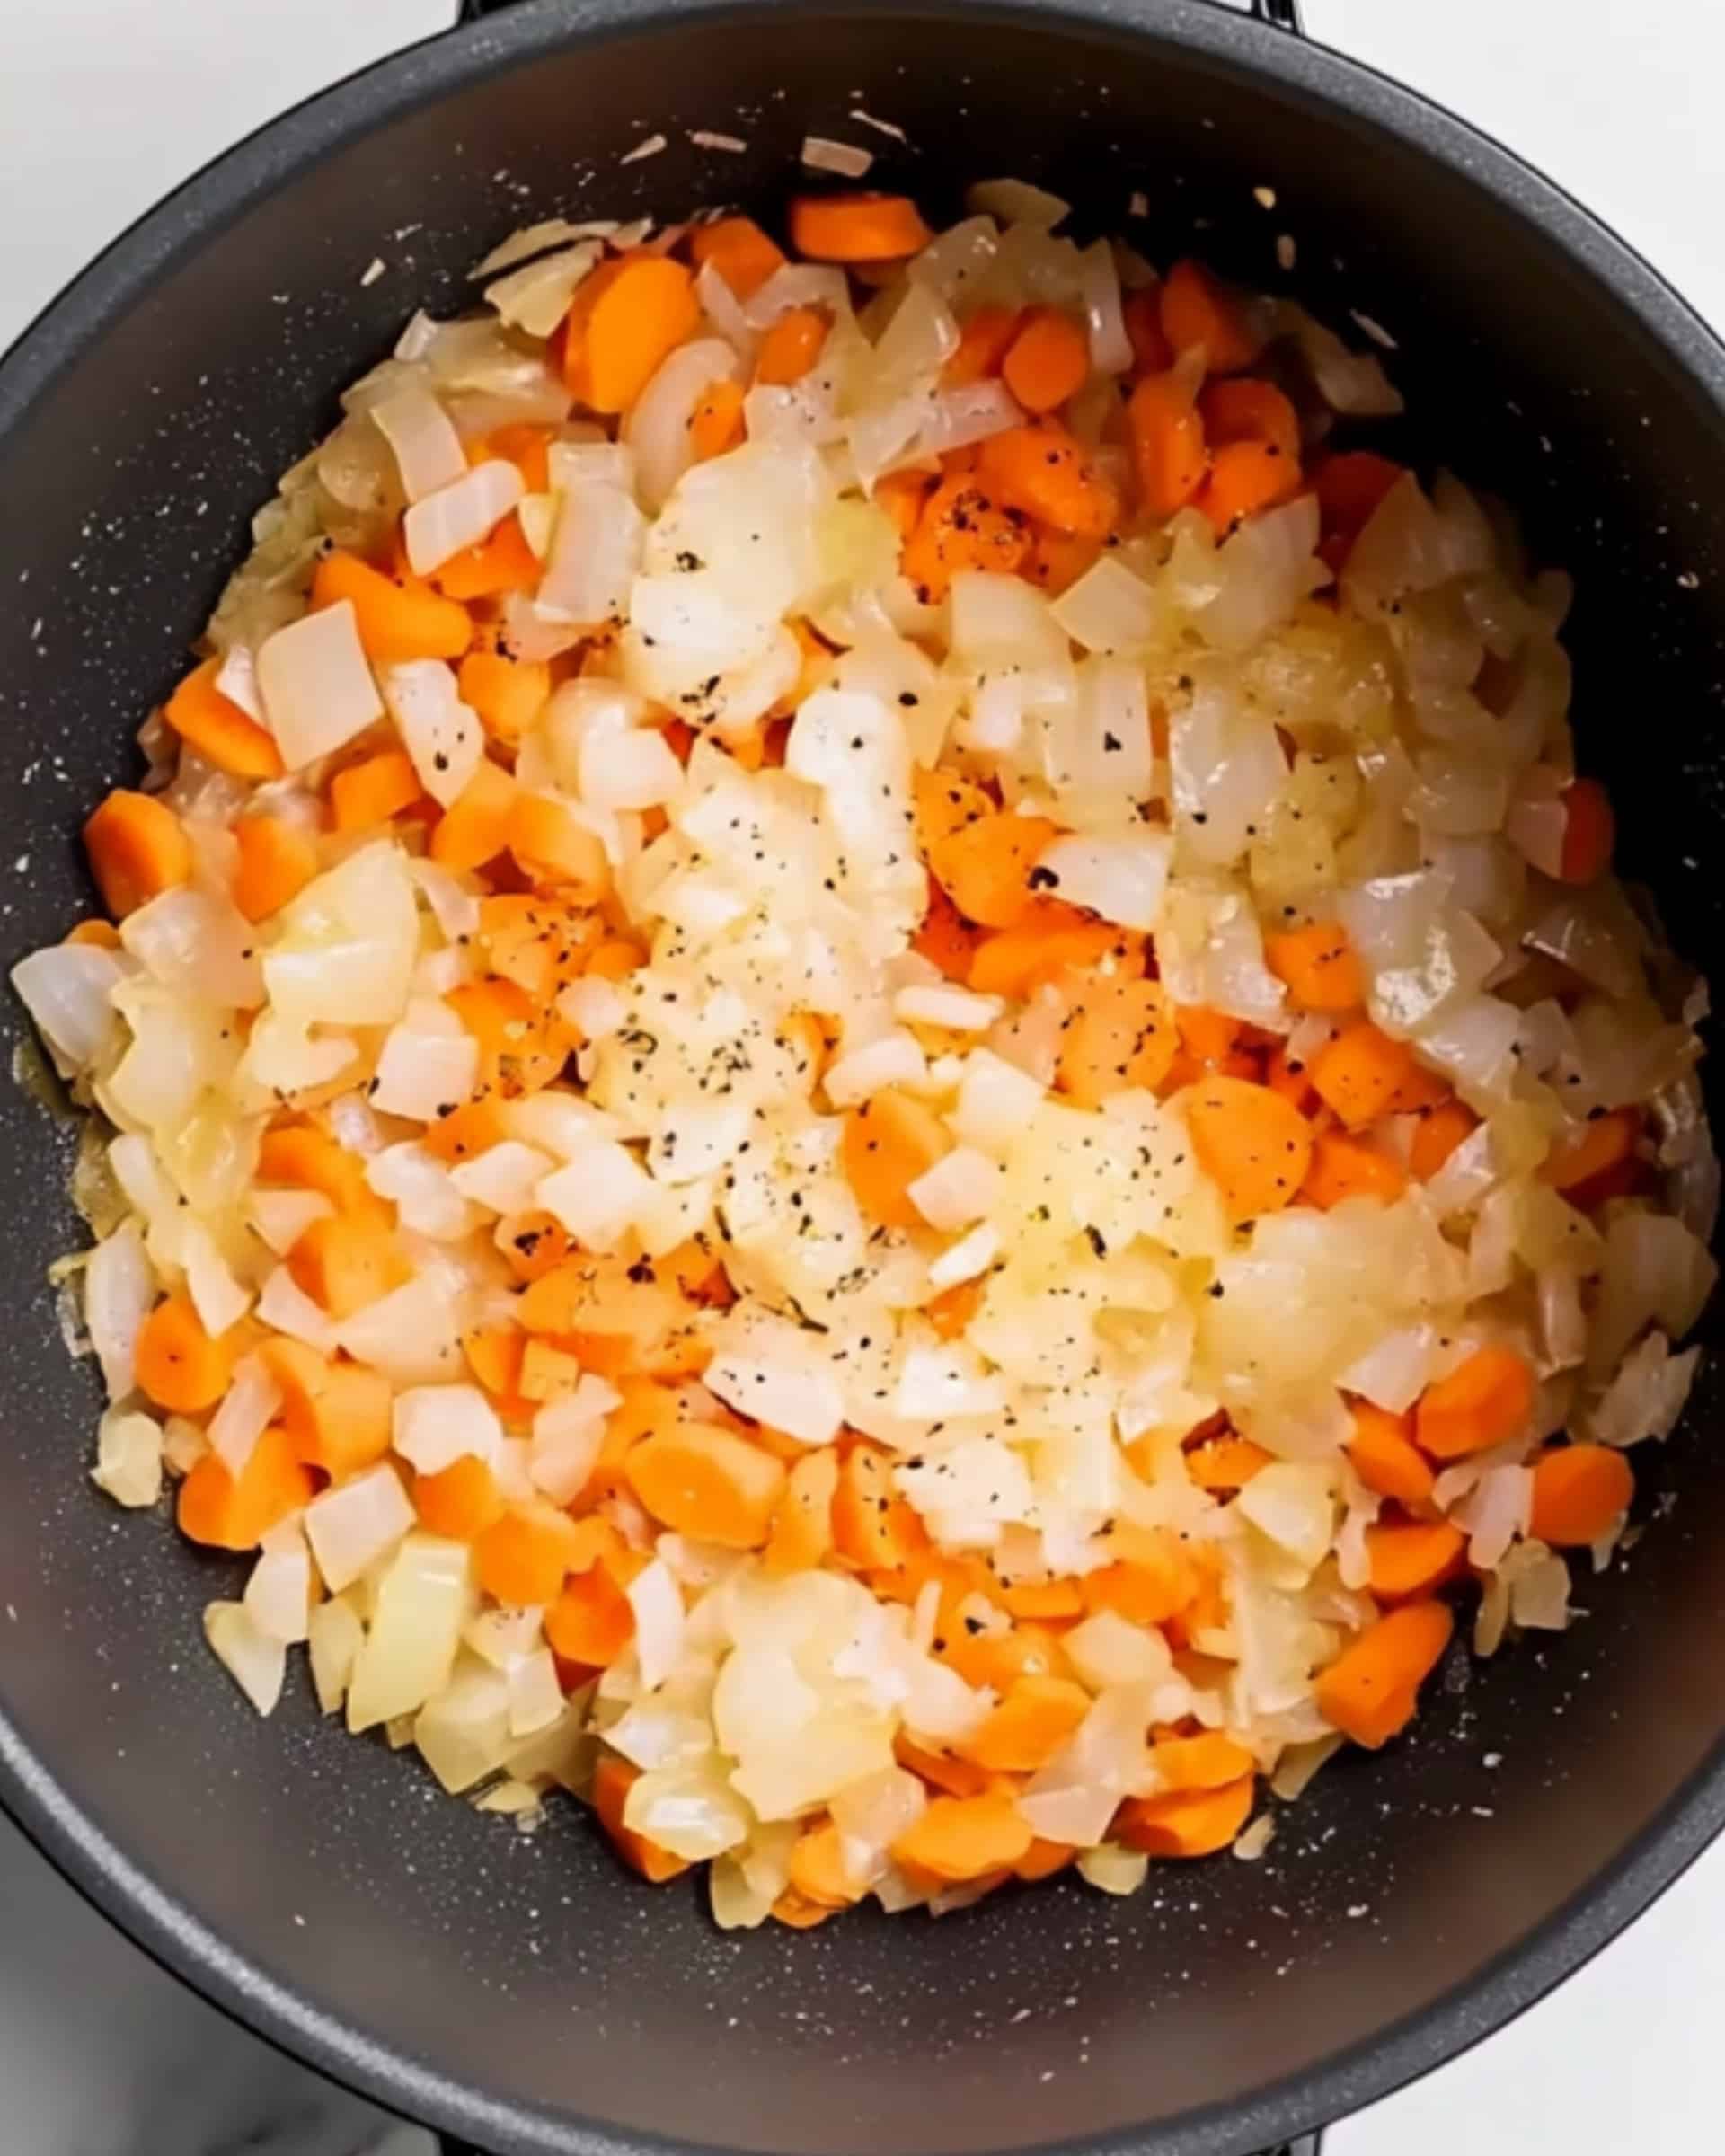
(106, 103)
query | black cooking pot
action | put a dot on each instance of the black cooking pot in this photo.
(527, 1993)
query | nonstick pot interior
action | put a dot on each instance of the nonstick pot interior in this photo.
(518, 1987)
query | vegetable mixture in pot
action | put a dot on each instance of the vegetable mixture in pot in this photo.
(862, 1070)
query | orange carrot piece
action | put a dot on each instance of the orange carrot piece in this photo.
(1579, 1490)
(396, 621)
(1412, 1557)
(501, 562)
(717, 423)
(1349, 487)
(553, 847)
(1169, 451)
(522, 444)
(1153, 1578)
(965, 1837)
(460, 1501)
(1318, 965)
(954, 1307)
(95, 932)
(218, 729)
(1208, 1037)
(1048, 361)
(959, 527)
(1358, 1073)
(856, 228)
(1029, 1726)
(522, 1045)
(592, 1619)
(942, 1771)
(373, 790)
(701, 1479)
(624, 321)
(1196, 309)
(986, 865)
(1486, 1402)
(818, 1872)
(1370, 1692)
(1043, 471)
(304, 1158)
(946, 939)
(508, 693)
(523, 1559)
(1225, 1464)
(798, 1912)
(1042, 1599)
(1384, 1456)
(901, 494)
(803, 1527)
(1046, 937)
(1185, 1822)
(792, 346)
(612, 1780)
(984, 342)
(276, 861)
(179, 1367)
(1152, 354)
(1042, 1860)
(1244, 478)
(1247, 409)
(1438, 1132)
(343, 1264)
(474, 828)
(1210, 1761)
(889, 1141)
(1590, 832)
(336, 1414)
(225, 1511)
(744, 255)
(137, 850)
(1254, 1145)
(1343, 1168)
(873, 1527)
(1600, 1146)
(1120, 1035)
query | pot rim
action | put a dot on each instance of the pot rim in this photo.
(73, 323)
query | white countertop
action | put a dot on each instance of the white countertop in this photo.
(106, 103)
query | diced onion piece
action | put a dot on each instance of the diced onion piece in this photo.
(284, 1306)
(280, 1218)
(1107, 1650)
(345, 949)
(434, 1425)
(536, 298)
(893, 1059)
(423, 1601)
(968, 1258)
(128, 1457)
(1109, 608)
(441, 735)
(636, 769)
(246, 1410)
(66, 991)
(278, 1595)
(1017, 202)
(119, 1293)
(960, 1188)
(1121, 879)
(504, 1177)
(599, 1196)
(821, 154)
(350, 1527)
(536, 1695)
(595, 555)
(657, 1601)
(658, 427)
(236, 678)
(411, 1335)
(568, 1435)
(789, 1390)
(463, 1731)
(219, 1298)
(459, 516)
(996, 1102)
(335, 1635)
(1292, 1502)
(428, 449)
(257, 1664)
(1099, 281)
(421, 1073)
(798, 285)
(951, 1009)
(698, 1139)
(197, 945)
(317, 688)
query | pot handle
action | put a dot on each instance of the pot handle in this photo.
(1282, 15)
